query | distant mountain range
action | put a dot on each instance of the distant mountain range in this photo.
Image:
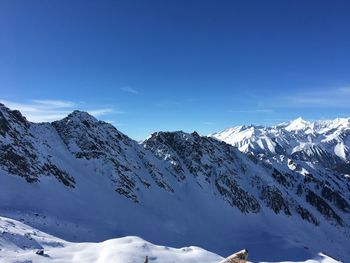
(285, 187)
(324, 142)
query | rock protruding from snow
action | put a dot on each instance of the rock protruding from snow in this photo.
(238, 257)
(208, 161)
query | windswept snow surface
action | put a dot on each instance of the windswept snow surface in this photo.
(20, 242)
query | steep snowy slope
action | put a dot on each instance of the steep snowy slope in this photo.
(82, 180)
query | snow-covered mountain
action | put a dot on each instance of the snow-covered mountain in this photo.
(326, 142)
(82, 180)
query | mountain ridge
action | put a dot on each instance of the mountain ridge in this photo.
(170, 189)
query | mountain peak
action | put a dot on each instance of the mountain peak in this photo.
(7, 114)
(81, 116)
(297, 124)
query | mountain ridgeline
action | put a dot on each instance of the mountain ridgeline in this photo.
(294, 174)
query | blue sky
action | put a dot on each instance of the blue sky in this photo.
(176, 65)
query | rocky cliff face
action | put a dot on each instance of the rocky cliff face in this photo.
(177, 167)
(25, 151)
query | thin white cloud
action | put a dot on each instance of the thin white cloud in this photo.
(100, 112)
(168, 104)
(328, 98)
(253, 111)
(345, 90)
(51, 110)
(19, 106)
(208, 123)
(116, 124)
(129, 90)
(55, 103)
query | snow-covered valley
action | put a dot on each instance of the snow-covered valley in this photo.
(80, 180)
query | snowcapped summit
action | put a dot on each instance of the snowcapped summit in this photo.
(297, 124)
(81, 115)
(80, 118)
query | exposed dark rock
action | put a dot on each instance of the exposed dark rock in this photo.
(126, 188)
(236, 196)
(61, 175)
(336, 198)
(306, 215)
(280, 178)
(4, 125)
(323, 207)
(300, 190)
(273, 198)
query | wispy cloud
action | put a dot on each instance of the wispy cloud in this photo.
(208, 123)
(51, 110)
(55, 103)
(329, 98)
(345, 90)
(116, 124)
(101, 112)
(253, 111)
(168, 104)
(129, 90)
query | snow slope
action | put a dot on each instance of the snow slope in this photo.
(20, 242)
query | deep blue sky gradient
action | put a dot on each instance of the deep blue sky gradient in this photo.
(171, 65)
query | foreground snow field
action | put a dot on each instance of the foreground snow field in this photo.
(20, 242)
